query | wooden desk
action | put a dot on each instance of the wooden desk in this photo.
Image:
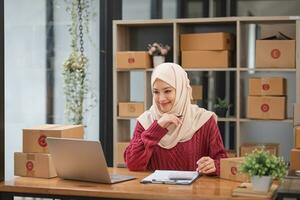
(290, 188)
(203, 188)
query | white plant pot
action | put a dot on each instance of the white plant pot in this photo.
(157, 60)
(261, 184)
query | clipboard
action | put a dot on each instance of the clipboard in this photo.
(171, 177)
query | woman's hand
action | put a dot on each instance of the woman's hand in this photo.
(206, 165)
(168, 119)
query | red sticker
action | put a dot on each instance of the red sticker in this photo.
(233, 170)
(275, 53)
(265, 107)
(29, 165)
(42, 141)
(131, 60)
(265, 86)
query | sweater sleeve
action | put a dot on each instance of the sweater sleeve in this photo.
(216, 146)
(139, 151)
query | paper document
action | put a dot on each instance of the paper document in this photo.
(171, 177)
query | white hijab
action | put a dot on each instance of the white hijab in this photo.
(193, 117)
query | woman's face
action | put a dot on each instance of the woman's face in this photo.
(164, 95)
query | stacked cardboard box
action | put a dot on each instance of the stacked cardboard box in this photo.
(206, 50)
(35, 160)
(267, 98)
(295, 153)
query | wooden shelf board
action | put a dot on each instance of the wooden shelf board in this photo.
(269, 69)
(265, 120)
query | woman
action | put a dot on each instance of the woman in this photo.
(174, 134)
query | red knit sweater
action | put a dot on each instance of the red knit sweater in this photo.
(144, 153)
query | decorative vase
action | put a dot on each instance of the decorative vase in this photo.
(261, 184)
(157, 60)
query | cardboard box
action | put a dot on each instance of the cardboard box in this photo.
(297, 137)
(297, 114)
(131, 109)
(34, 139)
(133, 59)
(197, 92)
(247, 148)
(295, 159)
(275, 53)
(269, 86)
(34, 165)
(266, 107)
(206, 41)
(229, 169)
(205, 59)
(121, 147)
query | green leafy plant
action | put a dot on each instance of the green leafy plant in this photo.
(75, 67)
(263, 163)
(222, 103)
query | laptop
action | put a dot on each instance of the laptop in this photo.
(82, 160)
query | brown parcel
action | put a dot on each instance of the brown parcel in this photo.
(131, 109)
(206, 41)
(133, 59)
(269, 86)
(248, 148)
(197, 92)
(266, 107)
(34, 139)
(121, 146)
(297, 137)
(296, 114)
(229, 169)
(205, 59)
(275, 53)
(34, 165)
(295, 159)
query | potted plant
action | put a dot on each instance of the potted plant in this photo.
(158, 51)
(263, 167)
(75, 67)
(221, 107)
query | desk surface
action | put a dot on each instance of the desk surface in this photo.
(203, 188)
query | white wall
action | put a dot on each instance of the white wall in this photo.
(25, 64)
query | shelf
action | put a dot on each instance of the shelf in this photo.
(266, 120)
(126, 118)
(129, 69)
(226, 119)
(269, 69)
(204, 69)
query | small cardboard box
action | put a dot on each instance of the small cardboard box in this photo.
(295, 159)
(34, 165)
(229, 169)
(206, 41)
(266, 107)
(269, 86)
(297, 114)
(121, 147)
(131, 109)
(275, 53)
(230, 153)
(197, 92)
(34, 139)
(247, 148)
(205, 59)
(297, 137)
(133, 59)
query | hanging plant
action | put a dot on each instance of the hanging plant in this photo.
(74, 73)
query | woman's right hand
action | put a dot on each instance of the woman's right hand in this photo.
(168, 119)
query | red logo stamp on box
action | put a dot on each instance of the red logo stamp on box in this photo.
(265, 86)
(275, 53)
(265, 107)
(131, 60)
(233, 170)
(29, 165)
(42, 141)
